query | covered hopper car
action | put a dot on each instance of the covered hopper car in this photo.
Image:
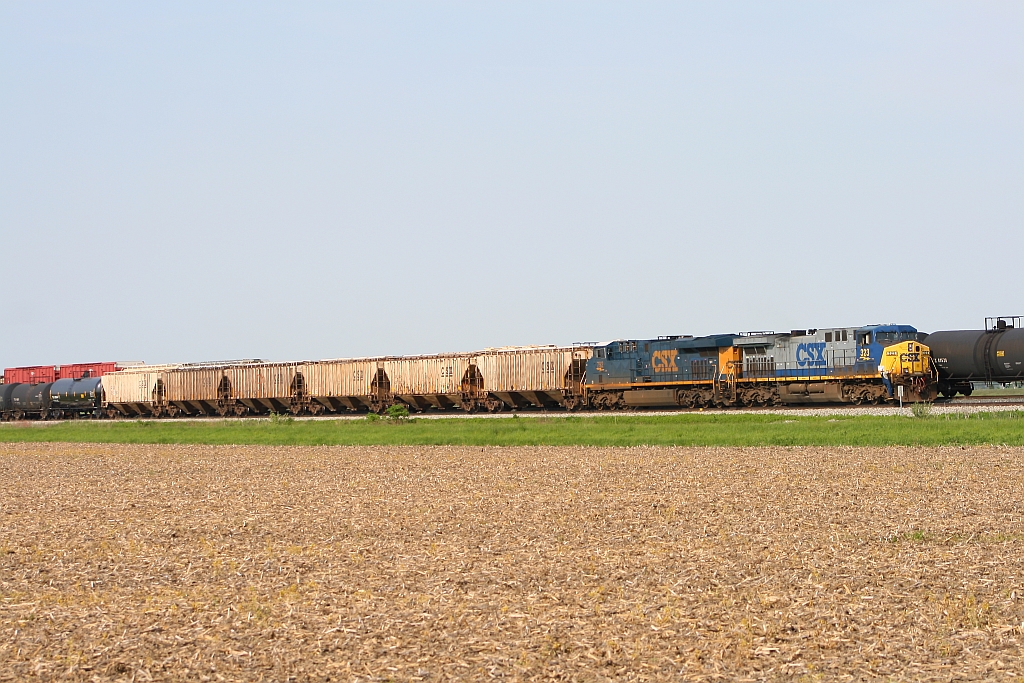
(489, 380)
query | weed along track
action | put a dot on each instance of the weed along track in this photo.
(147, 562)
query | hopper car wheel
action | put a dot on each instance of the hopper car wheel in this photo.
(241, 409)
(493, 405)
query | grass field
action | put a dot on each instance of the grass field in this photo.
(627, 430)
(390, 563)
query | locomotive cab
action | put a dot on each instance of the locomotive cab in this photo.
(872, 340)
(901, 359)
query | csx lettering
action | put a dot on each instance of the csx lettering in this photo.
(664, 361)
(910, 357)
(812, 355)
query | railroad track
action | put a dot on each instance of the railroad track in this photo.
(1007, 400)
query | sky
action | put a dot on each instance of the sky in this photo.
(206, 181)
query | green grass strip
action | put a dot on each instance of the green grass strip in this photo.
(618, 430)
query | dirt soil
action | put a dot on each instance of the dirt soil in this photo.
(312, 564)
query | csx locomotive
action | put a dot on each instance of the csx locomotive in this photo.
(873, 364)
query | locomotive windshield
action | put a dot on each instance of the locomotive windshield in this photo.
(885, 338)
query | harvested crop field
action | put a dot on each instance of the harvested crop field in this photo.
(126, 562)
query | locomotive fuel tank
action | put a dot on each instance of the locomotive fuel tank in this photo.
(978, 355)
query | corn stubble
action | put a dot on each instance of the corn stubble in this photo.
(451, 563)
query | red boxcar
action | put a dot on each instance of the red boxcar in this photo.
(30, 375)
(79, 369)
(50, 373)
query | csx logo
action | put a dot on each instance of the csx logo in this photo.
(664, 361)
(910, 357)
(810, 354)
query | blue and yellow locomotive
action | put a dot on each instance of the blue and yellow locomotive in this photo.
(872, 364)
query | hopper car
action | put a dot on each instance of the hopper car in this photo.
(489, 380)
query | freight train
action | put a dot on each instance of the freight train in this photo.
(871, 364)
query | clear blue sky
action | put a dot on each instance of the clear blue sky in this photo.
(189, 181)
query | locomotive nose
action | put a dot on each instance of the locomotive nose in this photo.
(908, 364)
(906, 358)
